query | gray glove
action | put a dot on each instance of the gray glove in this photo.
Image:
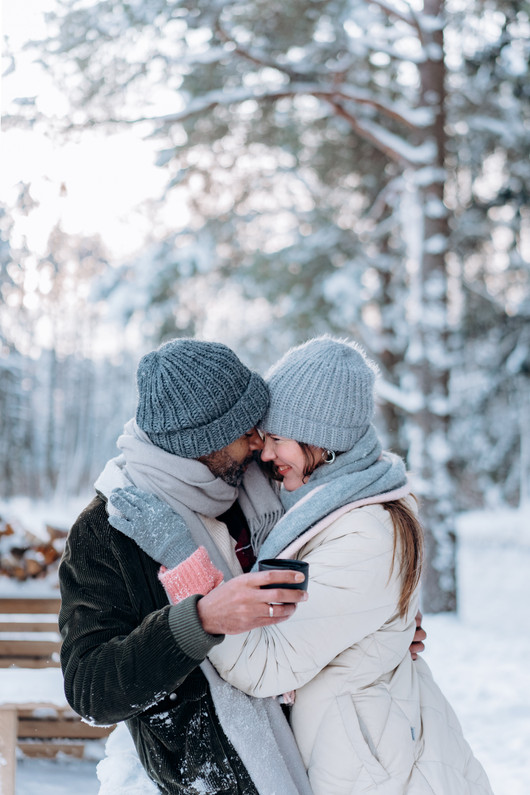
(156, 528)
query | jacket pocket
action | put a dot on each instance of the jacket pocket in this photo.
(384, 725)
(341, 761)
(350, 721)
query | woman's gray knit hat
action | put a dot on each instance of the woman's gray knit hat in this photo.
(195, 397)
(321, 393)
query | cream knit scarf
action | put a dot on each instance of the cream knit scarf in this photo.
(189, 487)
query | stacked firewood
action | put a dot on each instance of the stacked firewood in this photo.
(25, 556)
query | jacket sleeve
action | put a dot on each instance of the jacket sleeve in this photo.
(123, 648)
(351, 596)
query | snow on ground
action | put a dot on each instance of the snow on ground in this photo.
(64, 776)
(479, 658)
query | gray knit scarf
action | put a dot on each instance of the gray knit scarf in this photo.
(256, 727)
(362, 472)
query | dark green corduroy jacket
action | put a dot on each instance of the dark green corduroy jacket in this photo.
(129, 656)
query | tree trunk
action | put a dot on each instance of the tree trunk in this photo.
(428, 353)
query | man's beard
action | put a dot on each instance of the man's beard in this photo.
(223, 466)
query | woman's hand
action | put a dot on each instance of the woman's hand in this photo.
(417, 645)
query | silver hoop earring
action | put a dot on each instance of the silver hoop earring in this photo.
(328, 456)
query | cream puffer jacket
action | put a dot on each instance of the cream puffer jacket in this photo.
(367, 719)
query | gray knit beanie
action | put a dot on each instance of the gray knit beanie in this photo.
(321, 393)
(196, 397)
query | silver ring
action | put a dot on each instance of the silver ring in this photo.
(271, 611)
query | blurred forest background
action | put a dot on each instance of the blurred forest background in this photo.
(358, 167)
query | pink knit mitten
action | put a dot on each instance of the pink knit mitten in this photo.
(196, 574)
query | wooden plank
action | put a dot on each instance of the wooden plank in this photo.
(46, 711)
(60, 728)
(48, 749)
(28, 647)
(8, 734)
(43, 707)
(30, 605)
(29, 626)
(29, 662)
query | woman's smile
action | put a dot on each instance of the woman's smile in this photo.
(288, 460)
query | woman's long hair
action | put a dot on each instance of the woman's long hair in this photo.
(408, 532)
(408, 540)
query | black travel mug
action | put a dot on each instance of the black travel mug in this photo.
(286, 563)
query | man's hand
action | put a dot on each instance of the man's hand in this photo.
(240, 604)
(417, 645)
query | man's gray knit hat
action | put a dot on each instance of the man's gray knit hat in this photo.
(195, 397)
(322, 393)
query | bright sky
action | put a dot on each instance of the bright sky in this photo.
(90, 187)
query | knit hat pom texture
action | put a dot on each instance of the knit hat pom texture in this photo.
(196, 397)
(322, 393)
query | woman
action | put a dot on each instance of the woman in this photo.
(365, 716)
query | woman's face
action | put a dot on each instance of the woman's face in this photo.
(288, 459)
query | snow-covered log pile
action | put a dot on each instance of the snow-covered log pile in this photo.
(25, 555)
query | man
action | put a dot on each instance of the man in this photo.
(129, 656)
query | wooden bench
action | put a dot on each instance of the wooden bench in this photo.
(29, 634)
(34, 714)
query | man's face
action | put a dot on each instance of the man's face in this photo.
(230, 462)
